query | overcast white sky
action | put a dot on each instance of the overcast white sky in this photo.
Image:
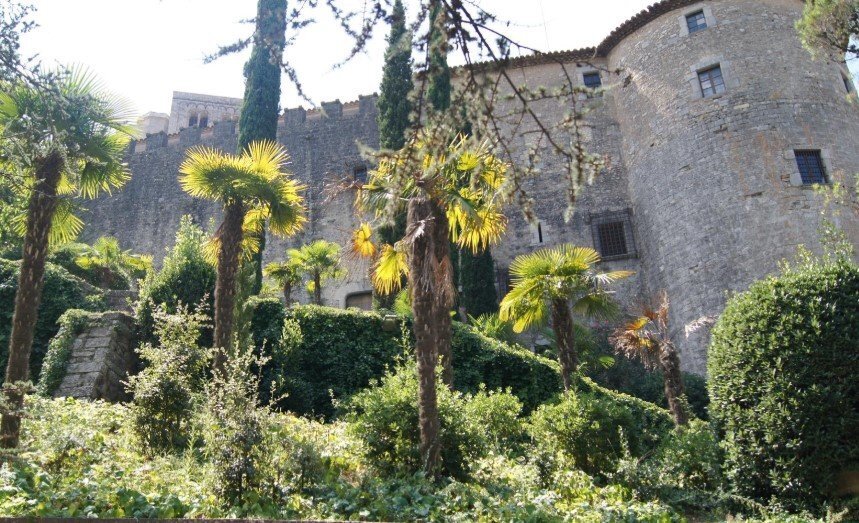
(146, 49)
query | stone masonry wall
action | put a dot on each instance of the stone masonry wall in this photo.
(101, 359)
(713, 180)
(707, 187)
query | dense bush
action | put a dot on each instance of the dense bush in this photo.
(684, 470)
(385, 417)
(61, 292)
(65, 256)
(186, 277)
(83, 460)
(593, 431)
(783, 367)
(163, 392)
(341, 351)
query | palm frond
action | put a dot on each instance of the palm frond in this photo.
(390, 269)
(362, 242)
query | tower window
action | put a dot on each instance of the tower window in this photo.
(711, 81)
(612, 234)
(811, 168)
(612, 239)
(360, 174)
(538, 233)
(696, 22)
(592, 80)
(192, 120)
(204, 120)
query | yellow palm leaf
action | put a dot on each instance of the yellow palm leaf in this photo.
(362, 242)
(389, 270)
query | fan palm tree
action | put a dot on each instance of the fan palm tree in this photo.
(320, 261)
(648, 339)
(252, 187)
(109, 261)
(66, 140)
(560, 281)
(286, 274)
(451, 191)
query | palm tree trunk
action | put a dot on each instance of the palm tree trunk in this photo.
(287, 293)
(40, 213)
(317, 288)
(673, 382)
(562, 324)
(443, 303)
(424, 287)
(225, 285)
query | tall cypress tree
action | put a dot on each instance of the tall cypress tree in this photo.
(439, 88)
(394, 111)
(258, 119)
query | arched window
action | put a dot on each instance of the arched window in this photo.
(192, 120)
(204, 120)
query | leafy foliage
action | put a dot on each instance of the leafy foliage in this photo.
(476, 274)
(830, 27)
(163, 392)
(111, 264)
(592, 432)
(56, 360)
(320, 262)
(782, 367)
(342, 351)
(186, 277)
(62, 292)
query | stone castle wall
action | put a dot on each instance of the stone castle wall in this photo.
(713, 181)
(706, 187)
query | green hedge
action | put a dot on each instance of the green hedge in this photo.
(343, 350)
(61, 292)
(783, 367)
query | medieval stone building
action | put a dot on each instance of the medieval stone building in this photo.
(715, 129)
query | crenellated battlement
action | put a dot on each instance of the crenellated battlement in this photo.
(295, 120)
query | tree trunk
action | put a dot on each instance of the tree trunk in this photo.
(287, 293)
(431, 289)
(673, 382)
(40, 213)
(562, 324)
(225, 285)
(317, 288)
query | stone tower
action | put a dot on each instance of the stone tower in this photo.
(718, 100)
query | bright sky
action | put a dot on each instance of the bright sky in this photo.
(146, 49)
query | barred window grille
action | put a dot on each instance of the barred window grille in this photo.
(811, 168)
(612, 239)
(592, 80)
(696, 22)
(613, 235)
(711, 81)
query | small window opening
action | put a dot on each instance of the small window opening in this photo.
(204, 120)
(192, 120)
(592, 80)
(612, 239)
(811, 168)
(539, 233)
(711, 81)
(696, 22)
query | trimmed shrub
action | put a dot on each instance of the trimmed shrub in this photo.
(783, 367)
(71, 323)
(342, 351)
(185, 278)
(61, 292)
